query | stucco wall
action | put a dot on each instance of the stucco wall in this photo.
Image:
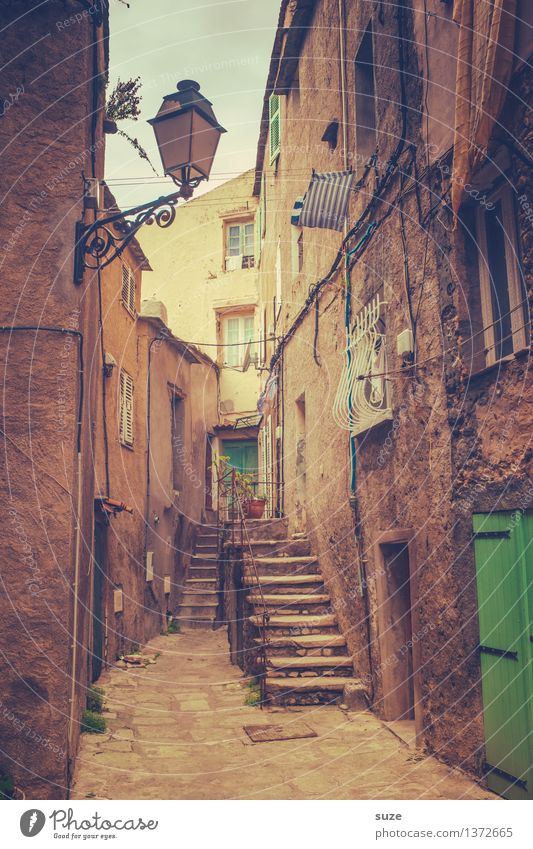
(190, 277)
(44, 151)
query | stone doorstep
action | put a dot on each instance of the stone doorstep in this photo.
(199, 597)
(318, 682)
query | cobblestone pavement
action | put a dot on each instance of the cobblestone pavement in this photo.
(175, 731)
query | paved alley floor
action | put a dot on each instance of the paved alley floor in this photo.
(175, 731)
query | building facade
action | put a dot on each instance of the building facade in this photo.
(205, 272)
(395, 405)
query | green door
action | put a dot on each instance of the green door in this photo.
(242, 454)
(504, 571)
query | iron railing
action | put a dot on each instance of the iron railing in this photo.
(232, 498)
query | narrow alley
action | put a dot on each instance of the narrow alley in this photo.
(175, 731)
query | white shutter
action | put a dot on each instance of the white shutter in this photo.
(266, 455)
(126, 408)
(279, 289)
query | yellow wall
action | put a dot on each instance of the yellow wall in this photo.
(189, 276)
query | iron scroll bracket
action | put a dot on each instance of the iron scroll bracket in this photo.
(512, 655)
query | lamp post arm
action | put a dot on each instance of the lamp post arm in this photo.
(99, 243)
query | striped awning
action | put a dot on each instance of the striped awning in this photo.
(326, 201)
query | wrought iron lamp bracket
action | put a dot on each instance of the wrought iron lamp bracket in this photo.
(101, 242)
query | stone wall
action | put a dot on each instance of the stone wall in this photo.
(417, 473)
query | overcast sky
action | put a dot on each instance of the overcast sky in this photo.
(224, 44)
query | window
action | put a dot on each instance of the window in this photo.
(178, 442)
(503, 298)
(365, 98)
(363, 395)
(128, 288)
(240, 247)
(237, 331)
(274, 136)
(126, 408)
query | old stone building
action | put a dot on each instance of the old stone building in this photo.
(204, 271)
(396, 406)
(105, 412)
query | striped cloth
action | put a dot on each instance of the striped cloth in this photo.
(326, 201)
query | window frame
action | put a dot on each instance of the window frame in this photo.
(515, 287)
(239, 349)
(126, 416)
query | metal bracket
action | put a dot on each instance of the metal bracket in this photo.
(512, 655)
(505, 775)
(493, 534)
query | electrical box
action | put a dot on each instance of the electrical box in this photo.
(118, 601)
(149, 565)
(279, 432)
(405, 342)
(166, 584)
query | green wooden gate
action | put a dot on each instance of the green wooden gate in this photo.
(504, 570)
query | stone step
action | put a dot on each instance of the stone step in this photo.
(199, 584)
(281, 600)
(280, 548)
(203, 572)
(267, 528)
(283, 582)
(335, 661)
(196, 622)
(316, 689)
(308, 645)
(282, 566)
(294, 625)
(198, 611)
(199, 596)
(204, 560)
(205, 548)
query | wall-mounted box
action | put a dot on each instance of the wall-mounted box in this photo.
(166, 584)
(118, 601)
(149, 565)
(405, 342)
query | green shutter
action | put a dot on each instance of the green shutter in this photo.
(504, 571)
(274, 109)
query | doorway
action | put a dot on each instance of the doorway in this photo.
(98, 611)
(503, 547)
(398, 649)
(242, 455)
(301, 466)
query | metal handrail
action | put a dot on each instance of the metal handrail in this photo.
(230, 475)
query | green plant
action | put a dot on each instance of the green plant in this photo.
(124, 104)
(95, 699)
(135, 649)
(7, 786)
(253, 696)
(92, 723)
(173, 627)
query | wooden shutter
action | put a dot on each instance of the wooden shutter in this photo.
(126, 408)
(274, 135)
(128, 288)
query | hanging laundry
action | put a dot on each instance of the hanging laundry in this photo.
(326, 201)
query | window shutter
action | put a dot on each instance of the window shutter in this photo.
(126, 408)
(274, 109)
(128, 288)
(232, 352)
(257, 238)
(279, 289)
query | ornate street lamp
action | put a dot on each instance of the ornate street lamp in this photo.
(187, 134)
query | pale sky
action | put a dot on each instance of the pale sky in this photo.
(224, 44)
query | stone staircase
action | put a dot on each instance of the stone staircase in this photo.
(199, 602)
(307, 658)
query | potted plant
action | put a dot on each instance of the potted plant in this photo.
(252, 506)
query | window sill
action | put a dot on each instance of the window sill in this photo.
(499, 364)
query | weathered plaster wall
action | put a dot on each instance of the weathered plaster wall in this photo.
(189, 276)
(446, 430)
(44, 151)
